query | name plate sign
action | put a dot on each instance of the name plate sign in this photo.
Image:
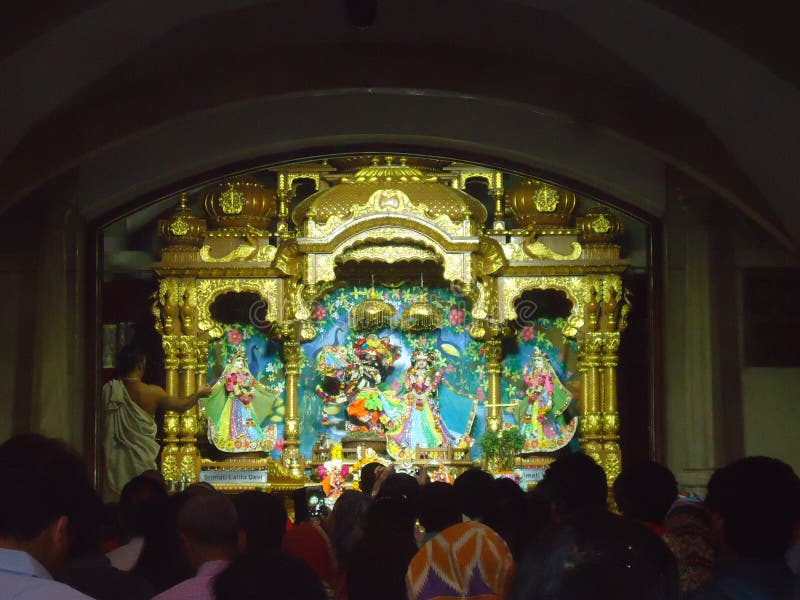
(233, 477)
(530, 475)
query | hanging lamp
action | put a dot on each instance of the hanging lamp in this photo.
(421, 315)
(374, 313)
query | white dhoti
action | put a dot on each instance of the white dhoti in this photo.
(129, 439)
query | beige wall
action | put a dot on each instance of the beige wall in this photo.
(16, 357)
(41, 320)
(771, 401)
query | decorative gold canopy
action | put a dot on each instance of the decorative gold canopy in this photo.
(433, 198)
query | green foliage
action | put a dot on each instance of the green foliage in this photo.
(501, 449)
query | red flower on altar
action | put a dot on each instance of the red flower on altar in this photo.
(456, 317)
(235, 337)
(319, 312)
(279, 445)
(528, 334)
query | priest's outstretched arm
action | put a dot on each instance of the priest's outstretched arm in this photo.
(167, 402)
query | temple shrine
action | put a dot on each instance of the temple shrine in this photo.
(388, 315)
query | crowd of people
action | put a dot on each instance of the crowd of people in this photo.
(401, 536)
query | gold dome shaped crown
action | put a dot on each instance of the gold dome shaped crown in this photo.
(391, 187)
(539, 203)
(239, 202)
(182, 228)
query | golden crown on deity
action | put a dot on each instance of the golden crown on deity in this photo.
(539, 353)
(428, 355)
(382, 348)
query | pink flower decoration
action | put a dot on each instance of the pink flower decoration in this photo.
(279, 445)
(456, 317)
(229, 383)
(319, 312)
(480, 394)
(235, 337)
(528, 333)
(345, 470)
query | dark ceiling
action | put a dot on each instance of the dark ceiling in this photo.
(766, 31)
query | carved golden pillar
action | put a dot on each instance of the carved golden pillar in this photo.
(292, 458)
(590, 345)
(283, 211)
(499, 203)
(170, 296)
(201, 373)
(614, 319)
(170, 455)
(494, 356)
(188, 419)
(612, 454)
(188, 384)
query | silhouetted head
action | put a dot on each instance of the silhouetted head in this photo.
(575, 484)
(598, 556)
(138, 504)
(396, 506)
(474, 490)
(346, 524)
(279, 577)
(47, 489)
(646, 491)
(755, 504)
(129, 360)
(367, 477)
(261, 521)
(207, 526)
(508, 515)
(438, 506)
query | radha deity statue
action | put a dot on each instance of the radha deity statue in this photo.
(418, 422)
(541, 414)
(237, 407)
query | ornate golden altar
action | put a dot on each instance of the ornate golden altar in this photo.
(389, 217)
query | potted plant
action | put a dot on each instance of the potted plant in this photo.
(500, 449)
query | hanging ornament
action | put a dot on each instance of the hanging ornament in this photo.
(374, 313)
(421, 315)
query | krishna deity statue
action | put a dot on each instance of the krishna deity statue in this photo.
(237, 407)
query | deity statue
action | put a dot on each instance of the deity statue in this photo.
(540, 414)
(418, 422)
(352, 376)
(237, 407)
(334, 474)
(367, 401)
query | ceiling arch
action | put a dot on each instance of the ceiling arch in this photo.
(99, 82)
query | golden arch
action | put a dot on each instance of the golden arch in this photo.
(270, 290)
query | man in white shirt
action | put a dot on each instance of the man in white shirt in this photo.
(44, 482)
